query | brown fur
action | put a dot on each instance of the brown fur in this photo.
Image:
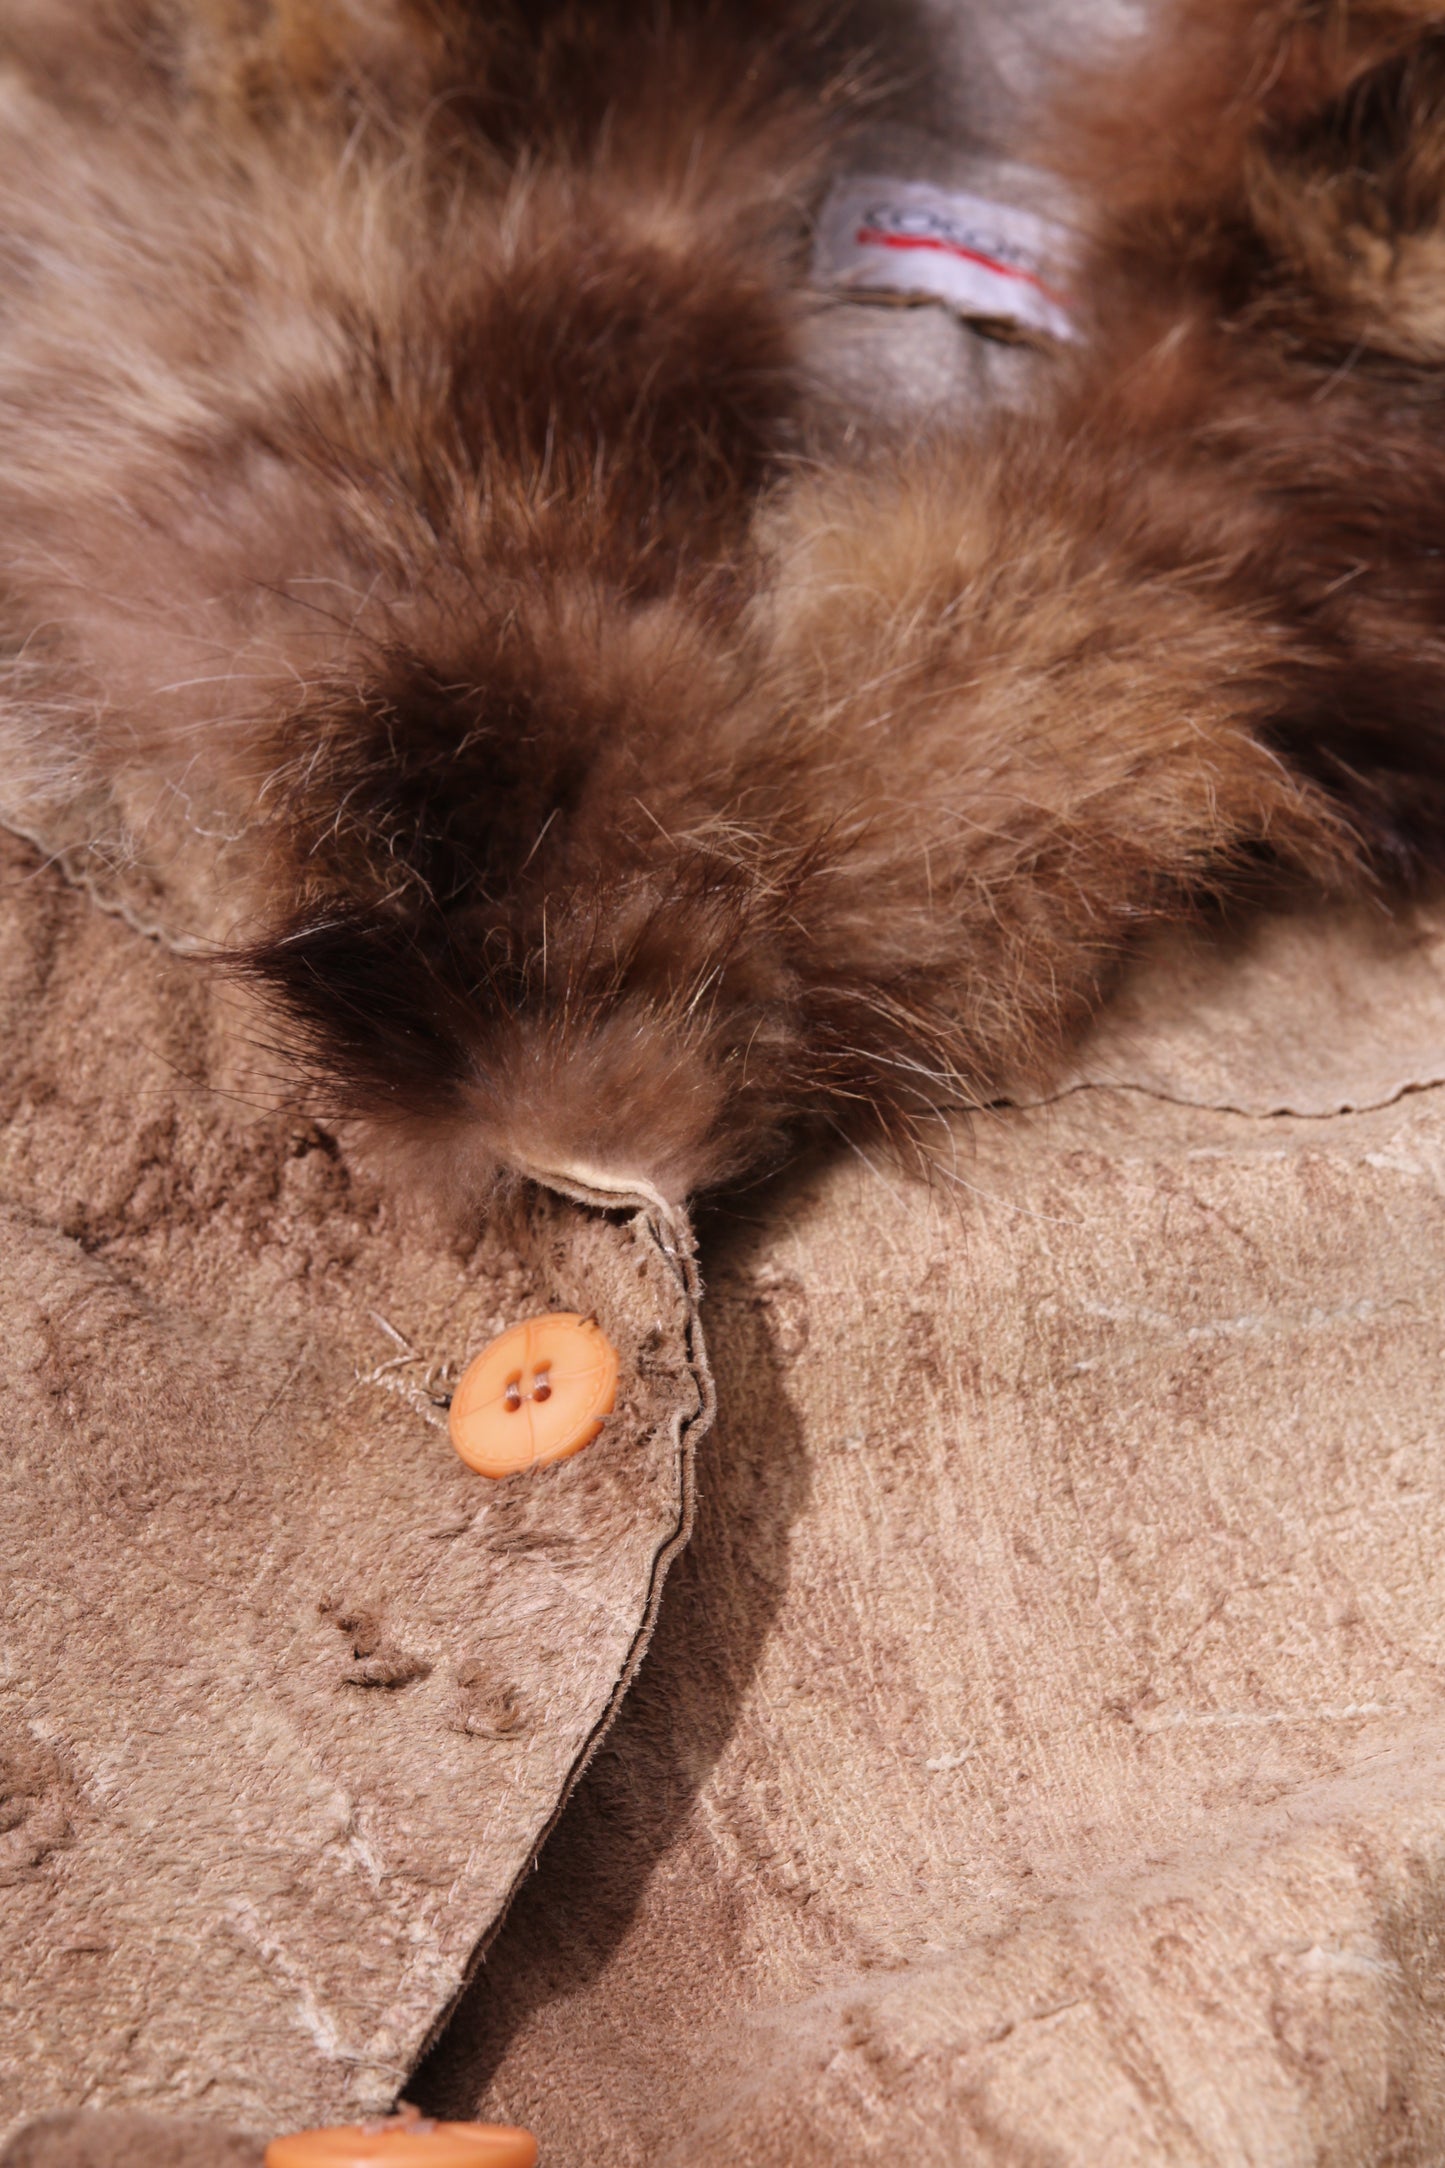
(404, 403)
(1267, 281)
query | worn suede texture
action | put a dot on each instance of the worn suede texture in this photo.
(289, 1697)
(1040, 1755)
(120, 2140)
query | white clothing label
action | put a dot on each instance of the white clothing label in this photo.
(908, 238)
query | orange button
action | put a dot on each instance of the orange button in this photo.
(406, 2141)
(537, 1394)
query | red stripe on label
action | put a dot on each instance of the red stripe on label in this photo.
(875, 237)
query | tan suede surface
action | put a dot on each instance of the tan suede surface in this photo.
(122, 2140)
(288, 1696)
(1318, 1011)
(1041, 1756)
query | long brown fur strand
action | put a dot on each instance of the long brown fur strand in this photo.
(408, 428)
